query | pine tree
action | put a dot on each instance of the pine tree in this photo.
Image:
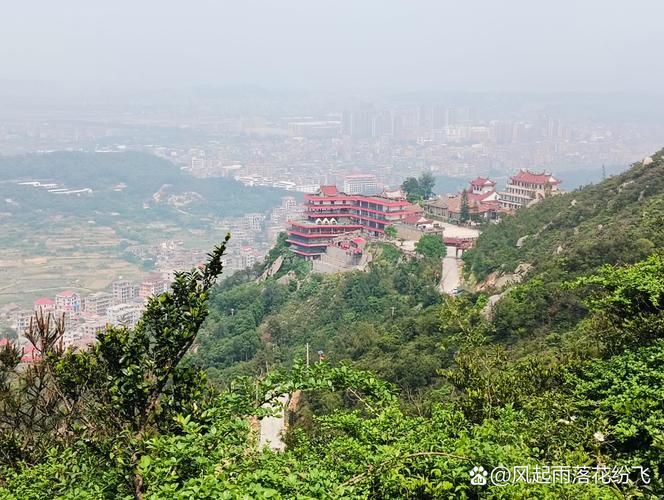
(464, 212)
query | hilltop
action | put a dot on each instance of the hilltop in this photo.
(383, 319)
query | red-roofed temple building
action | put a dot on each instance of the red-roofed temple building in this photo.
(482, 185)
(330, 213)
(482, 198)
(526, 188)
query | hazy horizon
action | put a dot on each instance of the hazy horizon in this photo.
(371, 47)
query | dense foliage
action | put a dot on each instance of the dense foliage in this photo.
(566, 369)
(381, 319)
(419, 188)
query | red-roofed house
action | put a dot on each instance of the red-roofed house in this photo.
(526, 188)
(482, 203)
(482, 185)
(44, 304)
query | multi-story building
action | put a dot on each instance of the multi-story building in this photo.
(288, 203)
(329, 214)
(254, 222)
(92, 328)
(124, 314)
(480, 185)
(68, 301)
(153, 285)
(360, 184)
(98, 303)
(123, 291)
(21, 321)
(526, 188)
(44, 304)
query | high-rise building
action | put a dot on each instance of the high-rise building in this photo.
(382, 124)
(347, 122)
(441, 117)
(358, 123)
(360, 184)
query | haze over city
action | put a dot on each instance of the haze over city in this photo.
(369, 46)
(359, 249)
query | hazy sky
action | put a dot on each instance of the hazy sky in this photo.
(381, 45)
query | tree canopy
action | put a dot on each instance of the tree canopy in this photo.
(420, 188)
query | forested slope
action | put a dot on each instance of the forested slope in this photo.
(383, 319)
(619, 220)
(566, 372)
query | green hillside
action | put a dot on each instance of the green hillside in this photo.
(383, 320)
(415, 394)
(619, 220)
(123, 184)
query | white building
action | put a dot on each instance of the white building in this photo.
(68, 301)
(97, 303)
(124, 314)
(360, 184)
(527, 188)
(123, 291)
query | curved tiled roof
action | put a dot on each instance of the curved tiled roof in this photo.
(329, 190)
(530, 177)
(482, 181)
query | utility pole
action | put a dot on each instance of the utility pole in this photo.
(393, 311)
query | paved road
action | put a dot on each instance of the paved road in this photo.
(272, 428)
(451, 278)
